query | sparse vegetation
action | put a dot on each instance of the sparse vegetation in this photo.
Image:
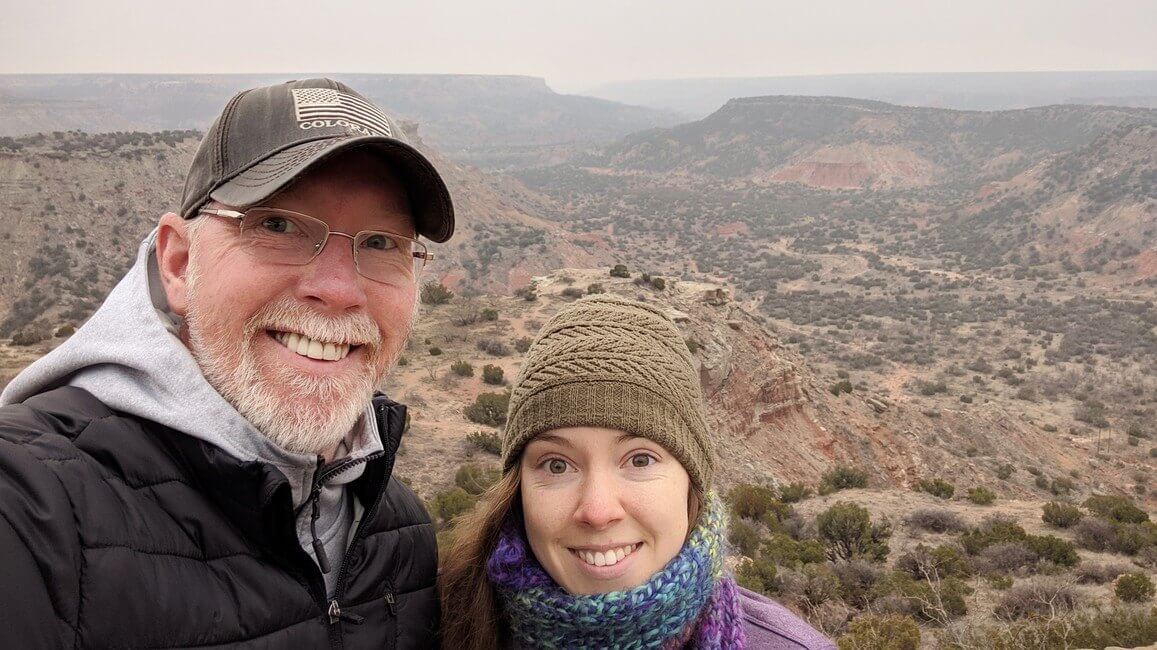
(489, 409)
(435, 293)
(842, 477)
(493, 375)
(1134, 588)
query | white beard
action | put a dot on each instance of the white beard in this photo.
(297, 412)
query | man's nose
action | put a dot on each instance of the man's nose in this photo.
(600, 503)
(331, 279)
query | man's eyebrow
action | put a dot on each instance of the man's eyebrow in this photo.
(627, 436)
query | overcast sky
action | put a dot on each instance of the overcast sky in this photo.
(577, 45)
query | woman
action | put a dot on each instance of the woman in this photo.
(604, 531)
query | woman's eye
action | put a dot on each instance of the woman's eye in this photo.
(556, 466)
(642, 460)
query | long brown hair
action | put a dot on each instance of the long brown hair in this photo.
(471, 613)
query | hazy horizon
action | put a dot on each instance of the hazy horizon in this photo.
(577, 48)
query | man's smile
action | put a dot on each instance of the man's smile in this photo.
(312, 348)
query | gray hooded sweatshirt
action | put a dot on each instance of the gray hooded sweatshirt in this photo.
(129, 357)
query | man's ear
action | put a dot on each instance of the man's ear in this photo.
(173, 260)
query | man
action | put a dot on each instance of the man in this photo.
(204, 463)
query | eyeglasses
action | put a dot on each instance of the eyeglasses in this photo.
(295, 239)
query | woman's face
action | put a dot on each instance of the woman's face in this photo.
(604, 510)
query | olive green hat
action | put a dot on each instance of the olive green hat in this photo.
(618, 364)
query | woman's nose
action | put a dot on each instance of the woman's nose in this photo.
(600, 504)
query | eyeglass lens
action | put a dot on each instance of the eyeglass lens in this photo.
(295, 239)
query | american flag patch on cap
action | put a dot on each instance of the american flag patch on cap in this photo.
(326, 108)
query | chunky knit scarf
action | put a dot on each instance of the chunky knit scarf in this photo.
(691, 602)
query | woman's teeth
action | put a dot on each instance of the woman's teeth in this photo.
(606, 558)
(312, 348)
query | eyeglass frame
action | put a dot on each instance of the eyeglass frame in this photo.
(424, 255)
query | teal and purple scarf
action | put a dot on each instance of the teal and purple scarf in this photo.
(691, 602)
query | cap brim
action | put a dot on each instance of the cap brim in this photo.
(433, 209)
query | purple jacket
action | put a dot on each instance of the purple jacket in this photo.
(772, 626)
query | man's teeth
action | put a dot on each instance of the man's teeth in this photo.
(312, 348)
(606, 558)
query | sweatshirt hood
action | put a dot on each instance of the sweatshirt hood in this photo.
(128, 356)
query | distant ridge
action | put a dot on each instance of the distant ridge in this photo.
(960, 90)
(487, 120)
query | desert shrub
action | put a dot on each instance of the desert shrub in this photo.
(1131, 538)
(785, 551)
(475, 478)
(857, 580)
(1041, 482)
(487, 441)
(451, 503)
(1005, 557)
(529, 294)
(848, 532)
(930, 388)
(435, 293)
(489, 409)
(571, 293)
(936, 520)
(523, 344)
(1095, 534)
(798, 527)
(981, 496)
(881, 632)
(936, 487)
(1095, 628)
(999, 581)
(993, 530)
(1004, 471)
(1061, 515)
(464, 315)
(493, 347)
(489, 314)
(1118, 509)
(594, 288)
(462, 369)
(758, 575)
(794, 492)
(743, 537)
(842, 477)
(1053, 549)
(493, 375)
(933, 600)
(1037, 598)
(752, 501)
(1098, 574)
(435, 351)
(820, 584)
(942, 561)
(658, 284)
(1061, 486)
(620, 271)
(32, 334)
(842, 386)
(1134, 588)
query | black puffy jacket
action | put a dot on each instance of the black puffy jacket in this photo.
(116, 532)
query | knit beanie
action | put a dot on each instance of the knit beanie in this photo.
(617, 364)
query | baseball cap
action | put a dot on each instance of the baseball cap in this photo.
(266, 137)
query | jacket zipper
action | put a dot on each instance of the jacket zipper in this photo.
(334, 609)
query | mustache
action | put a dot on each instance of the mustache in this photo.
(289, 316)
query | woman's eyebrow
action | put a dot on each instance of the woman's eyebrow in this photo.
(558, 440)
(627, 436)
